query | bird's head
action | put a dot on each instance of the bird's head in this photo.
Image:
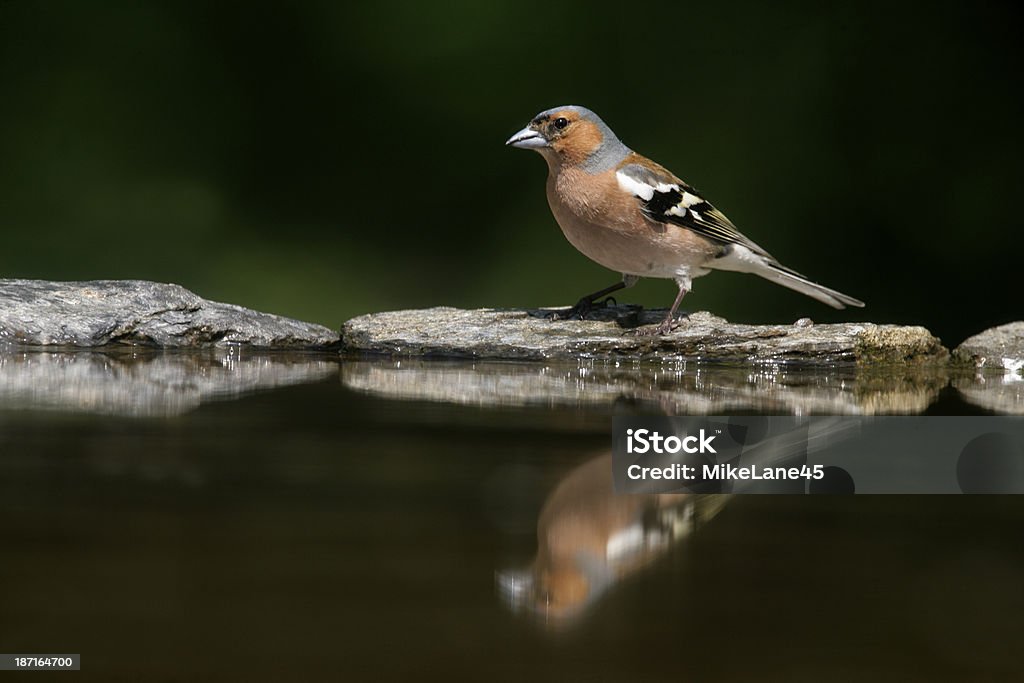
(570, 134)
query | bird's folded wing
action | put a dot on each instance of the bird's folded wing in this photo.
(666, 199)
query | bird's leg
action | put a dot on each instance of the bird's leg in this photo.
(587, 303)
(670, 322)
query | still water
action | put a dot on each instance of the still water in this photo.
(229, 516)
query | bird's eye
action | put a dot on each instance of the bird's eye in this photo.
(561, 123)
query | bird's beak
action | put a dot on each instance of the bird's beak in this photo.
(527, 138)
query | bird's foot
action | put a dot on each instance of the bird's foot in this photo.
(582, 308)
(664, 327)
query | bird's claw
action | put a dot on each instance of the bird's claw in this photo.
(577, 312)
(581, 309)
(664, 327)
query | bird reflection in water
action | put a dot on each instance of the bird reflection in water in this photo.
(589, 539)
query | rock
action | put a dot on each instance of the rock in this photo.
(608, 334)
(997, 356)
(100, 312)
(996, 348)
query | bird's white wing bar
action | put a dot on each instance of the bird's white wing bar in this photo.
(640, 186)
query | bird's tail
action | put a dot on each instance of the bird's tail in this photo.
(747, 261)
(779, 274)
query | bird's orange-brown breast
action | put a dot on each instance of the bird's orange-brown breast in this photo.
(587, 196)
(606, 224)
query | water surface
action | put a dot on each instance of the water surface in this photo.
(230, 516)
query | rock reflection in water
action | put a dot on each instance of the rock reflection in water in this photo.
(589, 539)
(684, 388)
(995, 391)
(144, 383)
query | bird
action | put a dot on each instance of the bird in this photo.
(634, 216)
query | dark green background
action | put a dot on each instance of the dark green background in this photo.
(323, 160)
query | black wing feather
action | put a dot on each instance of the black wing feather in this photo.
(666, 206)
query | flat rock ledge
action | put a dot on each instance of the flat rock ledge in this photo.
(996, 347)
(609, 333)
(104, 312)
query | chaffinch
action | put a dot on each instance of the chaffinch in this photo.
(631, 215)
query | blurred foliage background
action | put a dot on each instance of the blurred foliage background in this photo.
(325, 159)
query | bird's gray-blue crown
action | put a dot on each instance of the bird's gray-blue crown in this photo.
(556, 129)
